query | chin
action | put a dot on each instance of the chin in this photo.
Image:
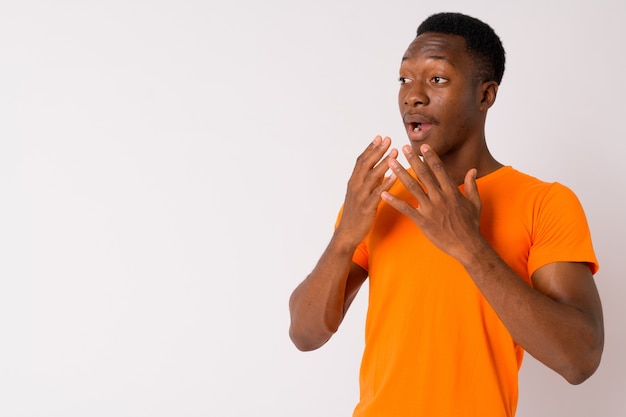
(415, 145)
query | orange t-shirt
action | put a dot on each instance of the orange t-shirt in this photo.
(434, 347)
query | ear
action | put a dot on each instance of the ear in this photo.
(487, 94)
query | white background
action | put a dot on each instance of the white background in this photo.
(171, 170)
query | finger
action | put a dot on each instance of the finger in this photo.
(378, 172)
(421, 169)
(399, 204)
(471, 188)
(386, 185)
(375, 177)
(437, 168)
(409, 182)
(372, 154)
(375, 196)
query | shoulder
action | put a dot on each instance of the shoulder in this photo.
(509, 181)
(510, 187)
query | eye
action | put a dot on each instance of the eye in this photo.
(404, 80)
(439, 80)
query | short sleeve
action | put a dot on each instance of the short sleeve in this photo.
(560, 231)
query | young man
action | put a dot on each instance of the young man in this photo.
(470, 262)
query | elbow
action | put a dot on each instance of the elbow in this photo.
(579, 373)
(304, 342)
(308, 331)
(585, 365)
(578, 376)
(309, 334)
(304, 346)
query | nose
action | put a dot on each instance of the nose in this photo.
(415, 95)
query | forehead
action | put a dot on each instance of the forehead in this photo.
(429, 45)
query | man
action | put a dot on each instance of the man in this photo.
(470, 262)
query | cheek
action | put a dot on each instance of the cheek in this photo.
(460, 110)
(449, 109)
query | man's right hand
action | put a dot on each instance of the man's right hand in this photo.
(364, 189)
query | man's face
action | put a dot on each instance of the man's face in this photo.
(439, 99)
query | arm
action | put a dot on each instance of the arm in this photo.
(558, 321)
(318, 305)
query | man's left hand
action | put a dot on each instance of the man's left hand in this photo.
(449, 219)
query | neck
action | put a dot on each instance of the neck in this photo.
(458, 163)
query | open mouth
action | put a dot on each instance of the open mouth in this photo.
(419, 128)
(418, 125)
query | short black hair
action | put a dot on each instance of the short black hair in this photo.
(481, 41)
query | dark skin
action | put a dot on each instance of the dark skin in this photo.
(444, 106)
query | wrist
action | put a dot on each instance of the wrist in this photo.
(343, 242)
(480, 256)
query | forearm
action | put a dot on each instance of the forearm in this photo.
(561, 335)
(318, 304)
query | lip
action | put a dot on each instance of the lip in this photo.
(423, 123)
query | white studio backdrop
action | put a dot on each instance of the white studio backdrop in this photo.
(171, 170)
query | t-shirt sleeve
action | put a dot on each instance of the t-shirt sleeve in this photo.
(361, 254)
(560, 231)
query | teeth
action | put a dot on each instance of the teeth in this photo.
(417, 127)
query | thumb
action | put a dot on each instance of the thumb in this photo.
(471, 189)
